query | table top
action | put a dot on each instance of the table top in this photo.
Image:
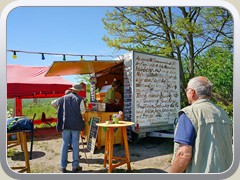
(119, 124)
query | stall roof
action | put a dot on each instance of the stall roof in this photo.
(79, 67)
(25, 81)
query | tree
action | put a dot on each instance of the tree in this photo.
(83, 78)
(218, 62)
(176, 32)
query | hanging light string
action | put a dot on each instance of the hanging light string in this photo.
(59, 54)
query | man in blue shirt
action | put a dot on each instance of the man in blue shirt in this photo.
(186, 132)
(203, 135)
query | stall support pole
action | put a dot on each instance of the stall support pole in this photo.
(18, 106)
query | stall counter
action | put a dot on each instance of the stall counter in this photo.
(104, 116)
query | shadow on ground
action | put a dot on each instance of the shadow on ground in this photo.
(19, 156)
(144, 148)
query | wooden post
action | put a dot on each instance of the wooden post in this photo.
(110, 148)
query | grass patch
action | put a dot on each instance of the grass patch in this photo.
(11, 152)
(31, 106)
(39, 126)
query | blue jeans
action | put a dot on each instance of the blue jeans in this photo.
(67, 136)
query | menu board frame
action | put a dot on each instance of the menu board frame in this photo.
(156, 89)
(93, 133)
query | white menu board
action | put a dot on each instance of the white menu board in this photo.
(156, 89)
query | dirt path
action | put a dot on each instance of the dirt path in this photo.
(148, 155)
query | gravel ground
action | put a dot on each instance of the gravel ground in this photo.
(148, 155)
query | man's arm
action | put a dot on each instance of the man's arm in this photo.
(55, 103)
(82, 107)
(185, 137)
(182, 159)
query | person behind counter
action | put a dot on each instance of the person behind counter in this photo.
(112, 102)
(120, 87)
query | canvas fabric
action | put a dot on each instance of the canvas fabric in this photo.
(19, 124)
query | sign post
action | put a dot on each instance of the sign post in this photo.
(92, 137)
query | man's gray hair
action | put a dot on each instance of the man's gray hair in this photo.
(201, 85)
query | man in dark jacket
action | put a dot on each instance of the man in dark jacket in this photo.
(55, 104)
(71, 108)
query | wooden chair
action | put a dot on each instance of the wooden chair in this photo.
(22, 141)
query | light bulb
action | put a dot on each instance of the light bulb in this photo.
(43, 58)
(81, 58)
(14, 55)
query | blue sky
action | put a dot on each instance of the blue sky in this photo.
(70, 30)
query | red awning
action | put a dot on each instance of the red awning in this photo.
(29, 81)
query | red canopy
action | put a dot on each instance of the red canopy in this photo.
(30, 82)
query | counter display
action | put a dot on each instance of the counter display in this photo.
(104, 116)
(95, 106)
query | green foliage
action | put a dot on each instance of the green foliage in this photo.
(29, 108)
(193, 35)
(46, 107)
(162, 30)
(83, 78)
(217, 65)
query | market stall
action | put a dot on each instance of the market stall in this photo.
(103, 74)
(151, 89)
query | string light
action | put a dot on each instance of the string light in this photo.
(64, 57)
(14, 55)
(43, 58)
(81, 58)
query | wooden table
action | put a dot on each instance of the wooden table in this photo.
(22, 141)
(108, 154)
